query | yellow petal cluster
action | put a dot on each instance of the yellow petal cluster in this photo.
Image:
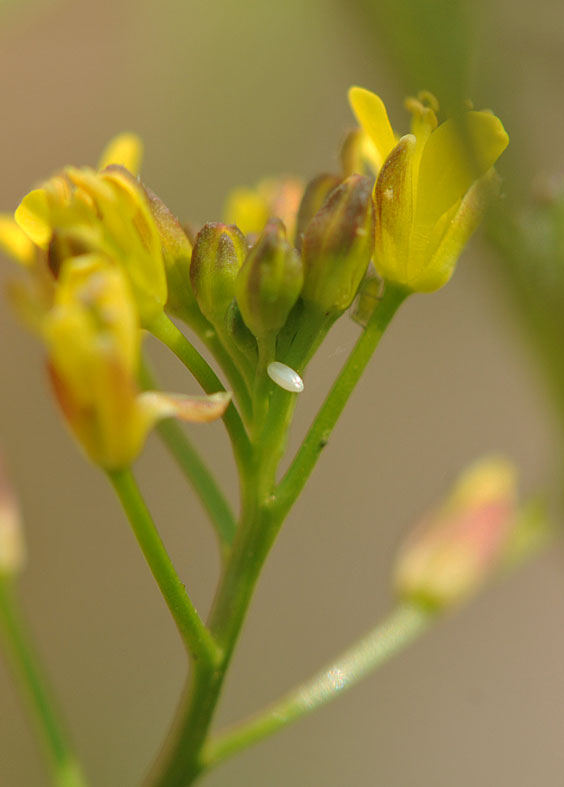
(432, 186)
(106, 213)
(91, 244)
(251, 208)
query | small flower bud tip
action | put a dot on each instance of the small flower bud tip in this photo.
(12, 548)
(456, 546)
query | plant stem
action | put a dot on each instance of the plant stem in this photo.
(260, 522)
(66, 771)
(404, 624)
(215, 344)
(167, 332)
(322, 426)
(201, 479)
(197, 638)
(180, 761)
(195, 469)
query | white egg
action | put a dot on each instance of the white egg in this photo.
(286, 378)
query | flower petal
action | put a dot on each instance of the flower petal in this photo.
(460, 228)
(33, 217)
(14, 241)
(393, 197)
(457, 153)
(196, 409)
(372, 116)
(124, 149)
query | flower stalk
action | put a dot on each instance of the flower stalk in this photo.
(105, 258)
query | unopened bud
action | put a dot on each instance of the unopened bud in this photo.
(337, 246)
(369, 296)
(269, 282)
(455, 547)
(12, 548)
(238, 331)
(218, 254)
(315, 194)
(358, 155)
(177, 253)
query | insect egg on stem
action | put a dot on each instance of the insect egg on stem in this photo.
(285, 377)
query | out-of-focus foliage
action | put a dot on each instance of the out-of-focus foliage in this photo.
(428, 41)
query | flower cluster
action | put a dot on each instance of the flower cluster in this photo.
(106, 258)
(93, 253)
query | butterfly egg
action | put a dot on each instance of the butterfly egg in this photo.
(286, 378)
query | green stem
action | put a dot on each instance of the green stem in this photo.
(66, 771)
(197, 638)
(399, 630)
(180, 763)
(195, 469)
(262, 385)
(312, 328)
(167, 332)
(321, 428)
(222, 354)
(260, 523)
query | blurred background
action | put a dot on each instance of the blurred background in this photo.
(224, 93)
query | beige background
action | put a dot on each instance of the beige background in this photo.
(223, 93)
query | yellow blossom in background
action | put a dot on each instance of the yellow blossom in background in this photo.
(250, 209)
(93, 340)
(14, 242)
(125, 150)
(432, 186)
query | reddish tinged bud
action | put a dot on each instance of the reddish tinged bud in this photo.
(269, 282)
(12, 548)
(218, 255)
(338, 245)
(456, 546)
(315, 194)
(177, 253)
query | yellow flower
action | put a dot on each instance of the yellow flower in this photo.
(432, 186)
(83, 211)
(93, 341)
(250, 209)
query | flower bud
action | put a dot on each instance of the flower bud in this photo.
(455, 547)
(337, 246)
(177, 253)
(269, 282)
(93, 342)
(12, 547)
(218, 254)
(252, 208)
(238, 331)
(369, 296)
(358, 155)
(315, 194)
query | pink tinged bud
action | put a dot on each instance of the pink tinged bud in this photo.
(270, 282)
(337, 246)
(454, 549)
(12, 547)
(315, 194)
(219, 252)
(177, 254)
